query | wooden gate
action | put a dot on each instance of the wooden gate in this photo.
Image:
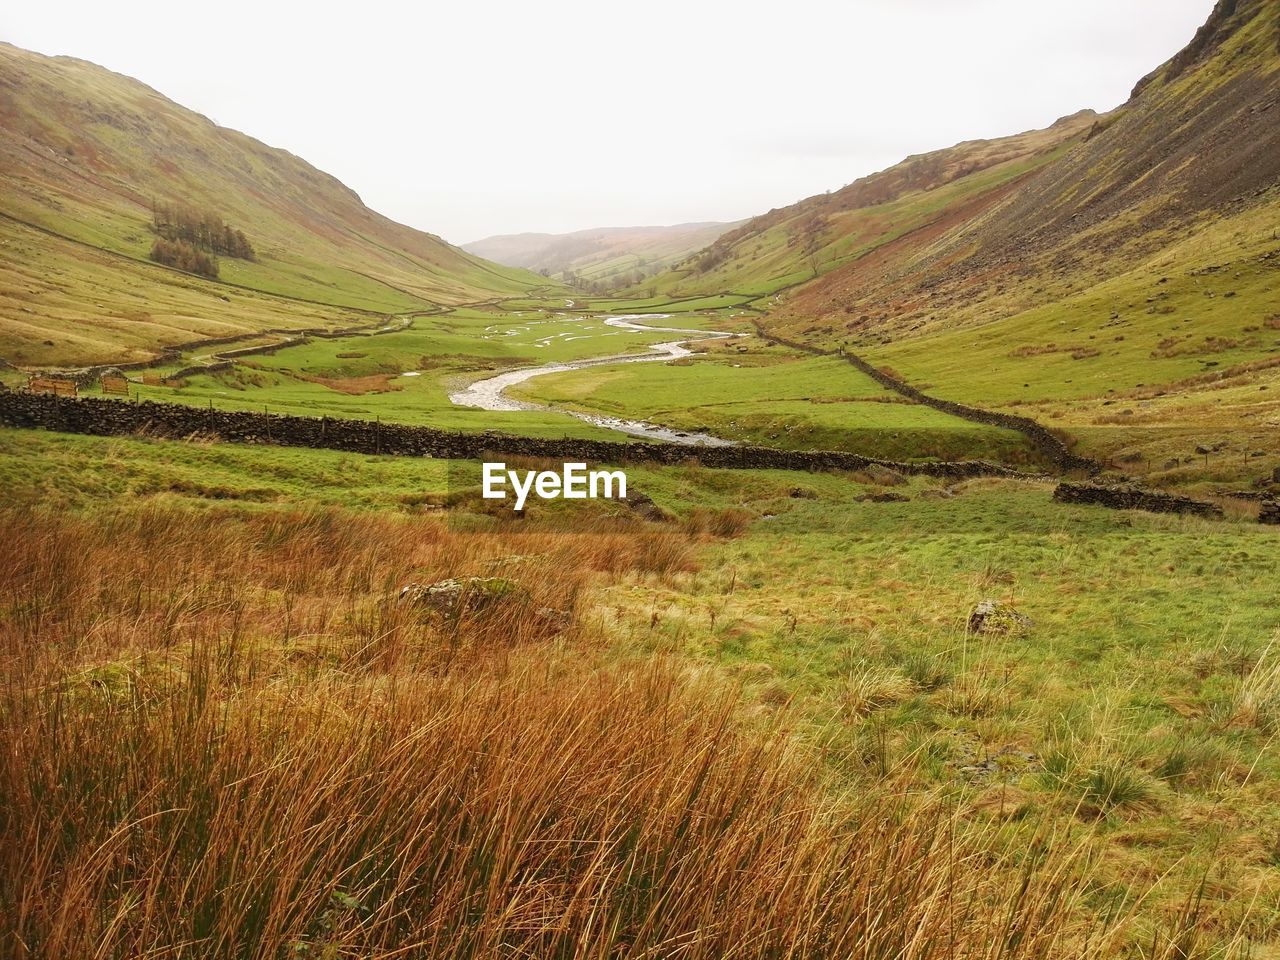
(54, 385)
(116, 385)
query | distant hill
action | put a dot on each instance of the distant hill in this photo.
(85, 156)
(603, 258)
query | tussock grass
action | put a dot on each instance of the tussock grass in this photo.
(1257, 701)
(1095, 764)
(229, 745)
(871, 687)
(727, 523)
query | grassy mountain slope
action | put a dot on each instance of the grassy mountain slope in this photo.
(1129, 292)
(1114, 275)
(609, 256)
(84, 152)
(921, 195)
(1197, 145)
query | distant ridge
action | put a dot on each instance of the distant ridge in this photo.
(604, 257)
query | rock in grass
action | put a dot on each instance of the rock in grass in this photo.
(992, 616)
(882, 476)
(461, 595)
(642, 505)
(1270, 513)
(881, 498)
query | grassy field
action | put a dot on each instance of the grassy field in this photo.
(406, 376)
(741, 389)
(1138, 704)
(1131, 722)
(749, 391)
(242, 752)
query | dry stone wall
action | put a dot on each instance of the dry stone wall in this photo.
(104, 417)
(1133, 498)
(1049, 445)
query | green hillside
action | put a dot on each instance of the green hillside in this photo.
(1194, 153)
(1129, 291)
(924, 194)
(85, 155)
(1112, 275)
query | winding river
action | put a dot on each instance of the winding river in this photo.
(490, 393)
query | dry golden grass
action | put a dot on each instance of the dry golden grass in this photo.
(220, 739)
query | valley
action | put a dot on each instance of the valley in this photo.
(844, 674)
(491, 393)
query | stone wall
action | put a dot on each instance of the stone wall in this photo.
(105, 417)
(1047, 443)
(1133, 498)
(88, 376)
(1041, 437)
(91, 375)
(199, 368)
(261, 350)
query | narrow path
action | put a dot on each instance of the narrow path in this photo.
(490, 393)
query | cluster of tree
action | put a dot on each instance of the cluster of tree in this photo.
(712, 257)
(201, 229)
(184, 256)
(611, 283)
(812, 233)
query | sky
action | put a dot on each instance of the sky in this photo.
(468, 119)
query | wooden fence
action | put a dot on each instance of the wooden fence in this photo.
(116, 385)
(54, 385)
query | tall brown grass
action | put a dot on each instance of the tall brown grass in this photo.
(218, 739)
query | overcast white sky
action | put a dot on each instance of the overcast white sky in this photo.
(473, 118)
